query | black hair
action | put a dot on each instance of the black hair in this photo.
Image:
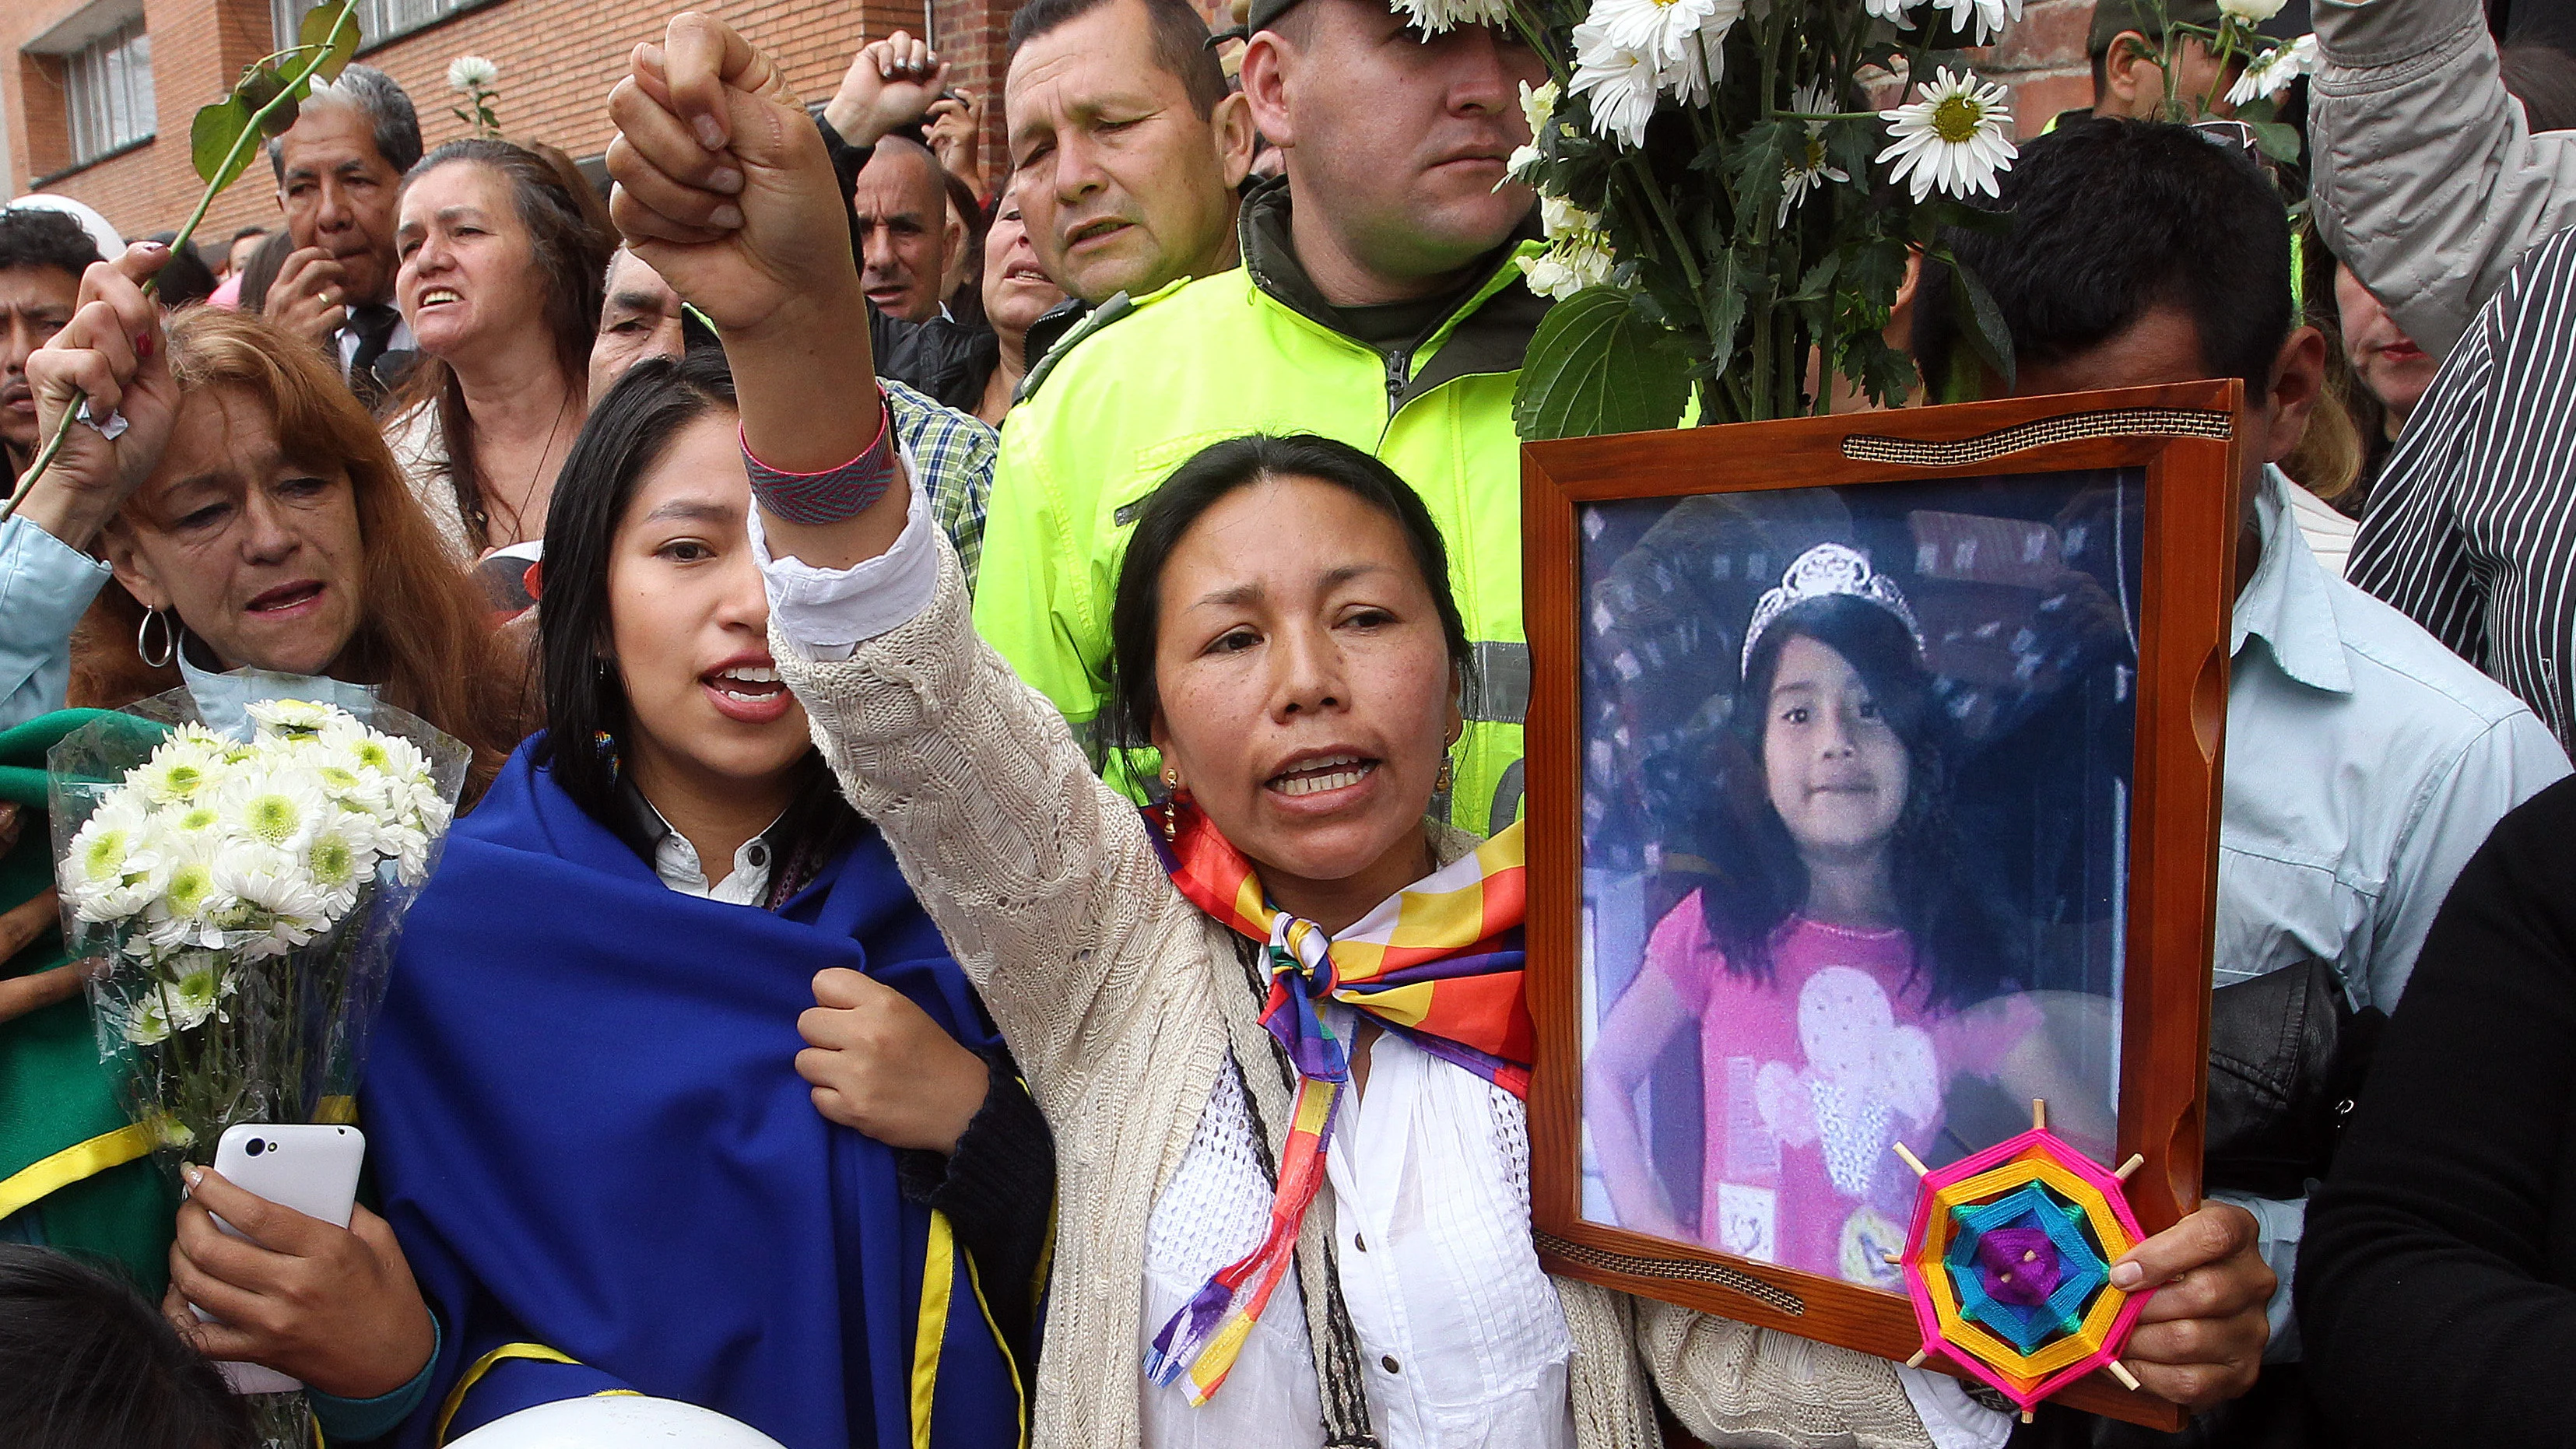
(392, 122)
(1180, 42)
(2109, 219)
(39, 236)
(1961, 950)
(85, 1361)
(2543, 78)
(585, 702)
(185, 278)
(260, 272)
(1136, 608)
(244, 233)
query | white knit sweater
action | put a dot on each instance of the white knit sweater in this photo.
(1122, 1000)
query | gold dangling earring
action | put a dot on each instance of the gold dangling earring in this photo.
(1171, 794)
(1448, 777)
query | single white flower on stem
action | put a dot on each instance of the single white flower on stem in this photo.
(470, 73)
(1620, 82)
(1695, 71)
(1807, 167)
(1953, 138)
(1666, 30)
(2252, 12)
(2273, 72)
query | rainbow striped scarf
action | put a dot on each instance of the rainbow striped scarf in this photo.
(1438, 963)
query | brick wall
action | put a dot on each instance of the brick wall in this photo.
(2040, 59)
(559, 58)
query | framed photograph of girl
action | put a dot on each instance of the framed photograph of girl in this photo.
(1873, 796)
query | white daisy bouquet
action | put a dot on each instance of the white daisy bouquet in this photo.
(242, 888)
(1727, 219)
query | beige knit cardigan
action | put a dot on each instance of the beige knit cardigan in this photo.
(1121, 1000)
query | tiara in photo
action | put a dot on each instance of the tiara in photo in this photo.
(1822, 572)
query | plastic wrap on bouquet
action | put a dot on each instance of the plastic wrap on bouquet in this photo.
(242, 864)
(239, 858)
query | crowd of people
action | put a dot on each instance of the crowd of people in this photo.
(936, 634)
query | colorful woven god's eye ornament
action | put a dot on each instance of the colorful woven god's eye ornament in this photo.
(2009, 1264)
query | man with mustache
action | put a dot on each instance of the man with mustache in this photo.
(1378, 304)
(1125, 146)
(339, 179)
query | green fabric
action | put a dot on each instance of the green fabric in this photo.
(53, 1091)
(1206, 360)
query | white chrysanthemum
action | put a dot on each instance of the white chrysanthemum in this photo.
(408, 849)
(1980, 20)
(277, 808)
(1432, 17)
(1538, 107)
(1620, 82)
(2274, 72)
(2252, 12)
(188, 992)
(183, 769)
(1694, 71)
(1808, 167)
(192, 909)
(1894, 12)
(1661, 28)
(292, 719)
(340, 861)
(277, 896)
(471, 72)
(1569, 266)
(1952, 139)
(116, 862)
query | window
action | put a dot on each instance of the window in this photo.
(108, 92)
(378, 20)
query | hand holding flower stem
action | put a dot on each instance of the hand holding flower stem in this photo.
(222, 141)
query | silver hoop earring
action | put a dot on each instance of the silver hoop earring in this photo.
(169, 638)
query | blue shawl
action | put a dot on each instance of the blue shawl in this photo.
(592, 1142)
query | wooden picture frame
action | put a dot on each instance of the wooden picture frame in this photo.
(2166, 454)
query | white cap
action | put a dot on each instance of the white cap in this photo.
(615, 1422)
(110, 245)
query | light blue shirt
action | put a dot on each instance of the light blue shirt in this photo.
(2365, 764)
(45, 587)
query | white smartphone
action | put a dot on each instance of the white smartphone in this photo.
(310, 1167)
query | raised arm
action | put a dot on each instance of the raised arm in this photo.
(1041, 878)
(2428, 180)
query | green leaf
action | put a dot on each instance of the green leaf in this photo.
(2276, 140)
(1980, 322)
(1597, 367)
(1724, 288)
(316, 30)
(1758, 161)
(260, 87)
(215, 142)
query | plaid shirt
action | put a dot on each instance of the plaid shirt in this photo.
(955, 452)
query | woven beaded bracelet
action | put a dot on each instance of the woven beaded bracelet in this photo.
(835, 495)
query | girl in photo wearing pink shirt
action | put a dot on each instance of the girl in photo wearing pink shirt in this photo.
(1841, 972)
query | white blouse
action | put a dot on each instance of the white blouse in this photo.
(1461, 1338)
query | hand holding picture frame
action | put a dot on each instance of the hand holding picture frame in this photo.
(1873, 794)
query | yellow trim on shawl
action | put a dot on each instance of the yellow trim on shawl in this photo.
(975, 1285)
(930, 1331)
(48, 1175)
(531, 1352)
